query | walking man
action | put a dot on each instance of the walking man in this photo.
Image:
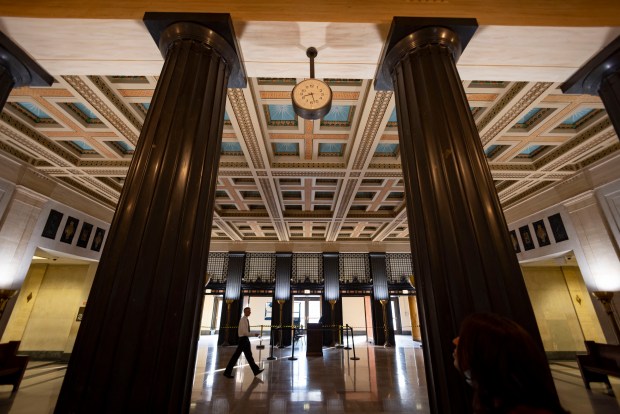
(244, 346)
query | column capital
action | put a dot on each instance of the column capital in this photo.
(408, 33)
(23, 69)
(214, 29)
(587, 80)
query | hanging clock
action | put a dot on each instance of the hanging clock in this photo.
(312, 98)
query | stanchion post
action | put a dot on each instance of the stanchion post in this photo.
(347, 331)
(340, 329)
(292, 357)
(271, 339)
(354, 357)
(260, 345)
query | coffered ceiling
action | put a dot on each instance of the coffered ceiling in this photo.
(285, 179)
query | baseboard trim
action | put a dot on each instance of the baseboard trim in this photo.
(46, 355)
(561, 355)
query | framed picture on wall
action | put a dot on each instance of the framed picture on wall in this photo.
(80, 314)
(70, 229)
(52, 224)
(98, 239)
(87, 228)
(515, 241)
(526, 238)
(557, 228)
(540, 230)
(268, 310)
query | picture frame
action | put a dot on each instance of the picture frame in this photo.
(52, 224)
(540, 230)
(98, 239)
(84, 236)
(557, 228)
(526, 238)
(268, 311)
(68, 233)
(515, 241)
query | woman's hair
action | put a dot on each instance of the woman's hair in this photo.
(507, 367)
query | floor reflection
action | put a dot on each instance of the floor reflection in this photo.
(381, 380)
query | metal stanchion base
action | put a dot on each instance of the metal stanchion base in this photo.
(260, 346)
(355, 358)
(339, 346)
(271, 358)
(292, 359)
(347, 347)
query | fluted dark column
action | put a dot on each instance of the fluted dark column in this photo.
(18, 69)
(462, 256)
(231, 310)
(382, 310)
(6, 85)
(136, 348)
(601, 76)
(331, 276)
(284, 269)
(282, 300)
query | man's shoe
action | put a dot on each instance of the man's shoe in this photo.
(227, 375)
(259, 371)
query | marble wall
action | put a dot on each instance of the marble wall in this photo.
(46, 311)
(563, 308)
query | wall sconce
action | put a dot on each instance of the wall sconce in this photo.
(229, 303)
(411, 280)
(605, 299)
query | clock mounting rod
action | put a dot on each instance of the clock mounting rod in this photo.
(311, 53)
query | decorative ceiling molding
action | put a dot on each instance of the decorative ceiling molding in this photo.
(354, 195)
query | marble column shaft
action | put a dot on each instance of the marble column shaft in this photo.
(6, 85)
(610, 95)
(136, 349)
(462, 255)
(600, 76)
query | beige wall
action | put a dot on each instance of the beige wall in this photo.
(563, 322)
(25, 303)
(81, 301)
(26, 198)
(582, 302)
(44, 318)
(589, 203)
(354, 313)
(257, 303)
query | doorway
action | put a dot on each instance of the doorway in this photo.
(211, 313)
(396, 316)
(306, 309)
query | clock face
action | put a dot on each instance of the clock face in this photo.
(312, 98)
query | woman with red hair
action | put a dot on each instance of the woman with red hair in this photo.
(506, 368)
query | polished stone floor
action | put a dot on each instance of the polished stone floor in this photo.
(381, 381)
